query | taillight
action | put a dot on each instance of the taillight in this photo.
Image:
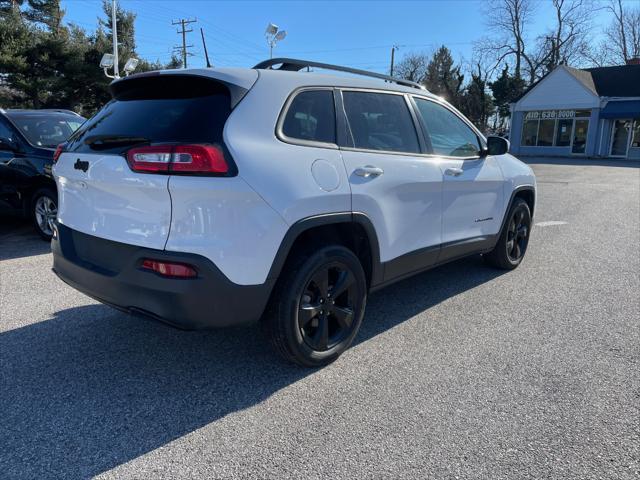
(169, 269)
(58, 152)
(206, 159)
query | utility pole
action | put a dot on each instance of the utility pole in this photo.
(183, 22)
(393, 51)
(114, 36)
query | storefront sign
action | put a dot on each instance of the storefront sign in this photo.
(550, 114)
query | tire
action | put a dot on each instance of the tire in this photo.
(307, 321)
(514, 238)
(44, 208)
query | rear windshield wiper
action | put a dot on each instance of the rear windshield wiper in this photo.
(99, 142)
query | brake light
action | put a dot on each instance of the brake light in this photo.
(58, 152)
(169, 269)
(178, 158)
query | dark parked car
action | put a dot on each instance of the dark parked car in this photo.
(28, 141)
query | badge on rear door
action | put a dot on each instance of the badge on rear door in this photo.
(80, 165)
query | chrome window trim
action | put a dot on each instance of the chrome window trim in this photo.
(285, 110)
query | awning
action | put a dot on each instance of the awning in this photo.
(621, 109)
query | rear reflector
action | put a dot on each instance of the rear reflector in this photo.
(169, 269)
(206, 159)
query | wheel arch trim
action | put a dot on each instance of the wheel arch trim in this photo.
(514, 193)
(308, 223)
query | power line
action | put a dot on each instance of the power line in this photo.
(183, 22)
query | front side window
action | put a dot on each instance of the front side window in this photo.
(380, 121)
(5, 134)
(311, 117)
(449, 135)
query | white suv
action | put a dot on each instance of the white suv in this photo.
(214, 197)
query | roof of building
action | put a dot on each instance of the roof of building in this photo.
(620, 81)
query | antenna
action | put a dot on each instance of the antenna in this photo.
(204, 44)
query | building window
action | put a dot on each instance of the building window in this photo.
(635, 140)
(546, 132)
(553, 128)
(530, 133)
(563, 133)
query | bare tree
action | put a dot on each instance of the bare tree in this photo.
(623, 35)
(509, 21)
(413, 67)
(568, 41)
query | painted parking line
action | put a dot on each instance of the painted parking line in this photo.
(550, 223)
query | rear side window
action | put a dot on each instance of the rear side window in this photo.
(172, 109)
(449, 135)
(311, 117)
(380, 121)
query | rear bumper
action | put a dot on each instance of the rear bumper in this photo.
(110, 272)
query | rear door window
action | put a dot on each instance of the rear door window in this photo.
(311, 117)
(449, 135)
(380, 121)
(172, 109)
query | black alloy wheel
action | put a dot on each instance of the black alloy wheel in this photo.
(518, 235)
(326, 307)
(514, 238)
(317, 305)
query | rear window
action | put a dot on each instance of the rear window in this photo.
(156, 110)
(311, 117)
(46, 129)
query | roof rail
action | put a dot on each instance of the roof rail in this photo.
(295, 65)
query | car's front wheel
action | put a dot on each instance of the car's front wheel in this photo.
(514, 238)
(317, 307)
(44, 208)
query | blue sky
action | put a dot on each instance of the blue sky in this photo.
(356, 33)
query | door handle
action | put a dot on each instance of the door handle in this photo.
(368, 171)
(454, 171)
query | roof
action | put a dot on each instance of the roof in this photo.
(246, 77)
(34, 112)
(584, 77)
(620, 81)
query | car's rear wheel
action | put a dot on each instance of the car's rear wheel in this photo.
(317, 307)
(514, 238)
(44, 209)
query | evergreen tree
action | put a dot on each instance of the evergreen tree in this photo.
(477, 104)
(47, 64)
(443, 78)
(506, 89)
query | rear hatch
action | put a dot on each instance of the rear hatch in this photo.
(113, 173)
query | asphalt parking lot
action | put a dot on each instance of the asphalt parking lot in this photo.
(460, 372)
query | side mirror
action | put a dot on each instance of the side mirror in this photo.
(497, 145)
(8, 144)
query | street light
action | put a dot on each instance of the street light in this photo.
(273, 35)
(131, 65)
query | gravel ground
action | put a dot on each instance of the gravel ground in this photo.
(460, 372)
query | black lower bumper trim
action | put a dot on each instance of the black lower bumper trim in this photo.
(110, 272)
